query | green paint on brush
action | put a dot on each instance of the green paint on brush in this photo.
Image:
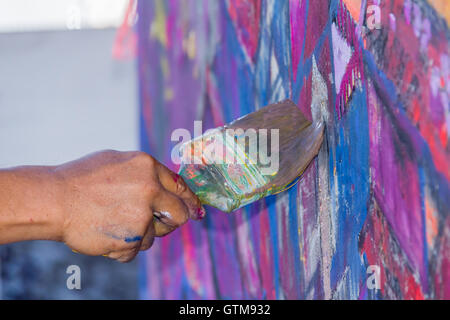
(229, 167)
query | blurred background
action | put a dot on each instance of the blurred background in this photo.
(62, 95)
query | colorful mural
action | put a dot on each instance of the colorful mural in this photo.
(376, 199)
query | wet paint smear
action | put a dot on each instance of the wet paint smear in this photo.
(117, 232)
(133, 239)
(376, 194)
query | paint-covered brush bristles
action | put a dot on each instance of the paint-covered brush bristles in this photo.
(257, 155)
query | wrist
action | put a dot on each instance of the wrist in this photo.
(53, 213)
(31, 206)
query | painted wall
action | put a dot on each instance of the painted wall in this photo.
(377, 194)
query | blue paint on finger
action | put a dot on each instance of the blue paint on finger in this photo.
(133, 239)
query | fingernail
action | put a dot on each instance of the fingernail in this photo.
(201, 212)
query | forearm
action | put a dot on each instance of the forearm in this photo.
(30, 204)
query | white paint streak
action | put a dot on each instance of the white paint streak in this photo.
(166, 214)
(341, 55)
(278, 92)
(319, 100)
(319, 110)
(341, 288)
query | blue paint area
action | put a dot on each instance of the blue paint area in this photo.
(293, 235)
(282, 48)
(351, 151)
(133, 239)
(126, 239)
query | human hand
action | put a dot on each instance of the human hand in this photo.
(115, 203)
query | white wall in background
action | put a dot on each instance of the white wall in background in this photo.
(35, 15)
(62, 95)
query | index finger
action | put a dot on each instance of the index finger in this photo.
(175, 184)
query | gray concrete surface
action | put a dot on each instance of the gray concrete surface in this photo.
(62, 96)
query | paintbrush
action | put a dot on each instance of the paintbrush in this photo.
(259, 154)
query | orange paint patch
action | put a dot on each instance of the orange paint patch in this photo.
(354, 7)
